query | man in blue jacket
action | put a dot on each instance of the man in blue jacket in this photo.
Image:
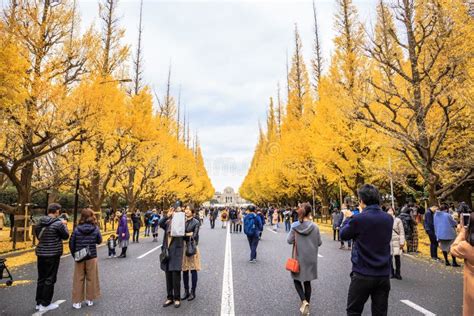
(253, 226)
(371, 231)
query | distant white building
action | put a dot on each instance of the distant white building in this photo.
(227, 198)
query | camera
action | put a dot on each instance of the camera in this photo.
(466, 218)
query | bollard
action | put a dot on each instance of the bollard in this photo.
(14, 237)
(34, 235)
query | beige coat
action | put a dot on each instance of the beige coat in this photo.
(398, 237)
(463, 250)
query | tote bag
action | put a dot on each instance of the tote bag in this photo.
(178, 224)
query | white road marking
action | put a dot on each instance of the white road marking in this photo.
(271, 230)
(320, 256)
(148, 252)
(418, 308)
(227, 301)
(59, 302)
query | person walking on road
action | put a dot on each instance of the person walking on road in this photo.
(224, 218)
(262, 219)
(276, 219)
(137, 224)
(336, 224)
(213, 216)
(346, 213)
(173, 263)
(146, 219)
(408, 227)
(371, 231)
(430, 231)
(192, 256)
(50, 232)
(445, 228)
(123, 234)
(306, 240)
(398, 241)
(252, 227)
(287, 220)
(463, 248)
(85, 283)
(233, 220)
(154, 222)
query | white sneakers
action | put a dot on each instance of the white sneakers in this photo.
(79, 305)
(50, 307)
(304, 309)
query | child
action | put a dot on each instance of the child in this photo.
(111, 244)
(154, 221)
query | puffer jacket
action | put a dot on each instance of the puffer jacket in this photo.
(85, 235)
(51, 241)
(398, 237)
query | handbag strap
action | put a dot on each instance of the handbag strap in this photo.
(295, 247)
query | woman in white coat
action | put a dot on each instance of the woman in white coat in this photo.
(398, 241)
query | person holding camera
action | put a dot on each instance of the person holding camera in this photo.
(192, 256)
(171, 258)
(50, 231)
(86, 272)
(463, 248)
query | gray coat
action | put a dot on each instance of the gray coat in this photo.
(308, 240)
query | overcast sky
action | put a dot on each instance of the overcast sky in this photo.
(228, 57)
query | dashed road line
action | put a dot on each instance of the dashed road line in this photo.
(320, 256)
(271, 230)
(418, 308)
(148, 252)
(227, 300)
(59, 302)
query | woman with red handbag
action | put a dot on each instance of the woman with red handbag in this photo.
(303, 265)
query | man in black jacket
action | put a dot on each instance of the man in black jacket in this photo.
(50, 231)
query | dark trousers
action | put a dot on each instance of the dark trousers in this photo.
(397, 270)
(363, 287)
(233, 226)
(335, 234)
(173, 285)
(433, 246)
(147, 230)
(213, 222)
(136, 234)
(287, 226)
(238, 228)
(194, 280)
(304, 294)
(112, 252)
(253, 243)
(47, 272)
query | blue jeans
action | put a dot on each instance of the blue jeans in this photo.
(287, 226)
(253, 243)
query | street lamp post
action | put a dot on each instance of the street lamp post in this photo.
(78, 180)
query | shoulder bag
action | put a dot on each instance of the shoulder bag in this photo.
(82, 255)
(292, 263)
(191, 247)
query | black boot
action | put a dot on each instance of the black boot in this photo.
(186, 295)
(398, 275)
(192, 296)
(455, 264)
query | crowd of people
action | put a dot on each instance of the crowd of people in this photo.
(376, 235)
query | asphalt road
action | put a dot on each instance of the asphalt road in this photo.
(137, 286)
